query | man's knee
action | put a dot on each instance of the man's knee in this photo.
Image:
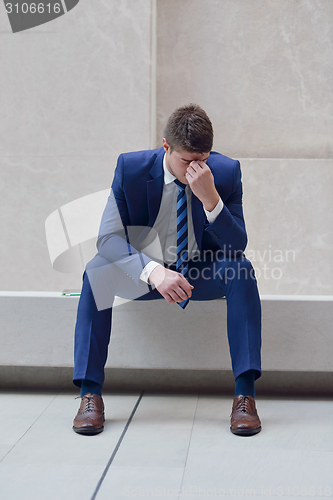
(101, 275)
(246, 268)
(240, 270)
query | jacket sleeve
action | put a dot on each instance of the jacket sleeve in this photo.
(113, 241)
(228, 229)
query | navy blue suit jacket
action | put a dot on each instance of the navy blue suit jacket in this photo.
(135, 200)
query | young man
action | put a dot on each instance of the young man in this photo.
(172, 228)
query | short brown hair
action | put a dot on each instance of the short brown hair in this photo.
(189, 128)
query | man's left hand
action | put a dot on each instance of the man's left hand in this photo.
(201, 182)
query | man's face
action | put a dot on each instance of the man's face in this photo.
(178, 161)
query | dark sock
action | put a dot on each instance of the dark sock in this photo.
(90, 386)
(245, 384)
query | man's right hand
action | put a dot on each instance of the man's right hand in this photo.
(171, 285)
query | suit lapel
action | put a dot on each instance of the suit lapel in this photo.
(155, 188)
(198, 217)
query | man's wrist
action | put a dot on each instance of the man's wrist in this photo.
(211, 203)
(147, 270)
(157, 275)
(212, 214)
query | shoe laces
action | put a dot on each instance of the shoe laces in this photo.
(89, 403)
(244, 405)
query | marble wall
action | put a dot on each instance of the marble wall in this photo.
(288, 208)
(262, 69)
(76, 92)
(82, 89)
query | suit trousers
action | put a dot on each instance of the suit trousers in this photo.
(212, 278)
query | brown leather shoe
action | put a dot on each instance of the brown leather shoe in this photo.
(244, 417)
(90, 417)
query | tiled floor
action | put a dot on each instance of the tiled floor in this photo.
(174, 447)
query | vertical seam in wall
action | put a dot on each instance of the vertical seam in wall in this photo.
(153, 73)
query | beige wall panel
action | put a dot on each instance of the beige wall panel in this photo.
(288, 208)
(79, 85)
(75, 94)
(262, 69)
(32, 188)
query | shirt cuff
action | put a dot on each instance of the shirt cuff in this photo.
(145, 273)
(211, 216)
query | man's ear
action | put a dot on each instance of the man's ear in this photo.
(166, 145)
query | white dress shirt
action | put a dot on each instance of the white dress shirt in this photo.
(166, 223)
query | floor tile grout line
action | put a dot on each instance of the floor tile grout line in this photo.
(189, 445)
(33, 423)
(99, 484)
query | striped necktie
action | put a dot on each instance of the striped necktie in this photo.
(182, 238)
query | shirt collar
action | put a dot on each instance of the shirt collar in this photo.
(168, 176)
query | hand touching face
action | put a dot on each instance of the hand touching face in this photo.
(191, 168)
(201, 181)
